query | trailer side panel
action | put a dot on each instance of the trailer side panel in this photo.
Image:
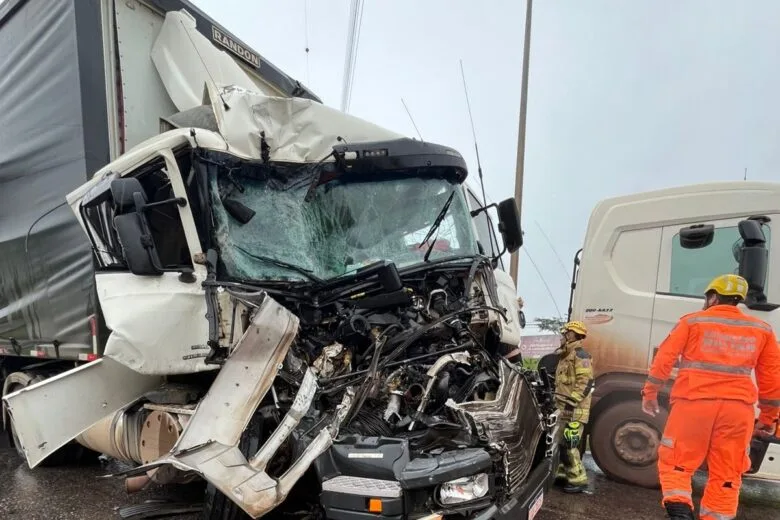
(46, 283)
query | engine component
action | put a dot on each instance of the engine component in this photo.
(458, 357)
(392, 412)
(116, 435)
(333, 361)
(159, 433)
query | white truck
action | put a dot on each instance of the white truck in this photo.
(288, 292)
(646, 260)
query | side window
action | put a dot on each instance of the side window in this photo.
(98, 216)
(164, 223)
(484, 223)
(693, 269)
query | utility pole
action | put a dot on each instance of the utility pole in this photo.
(521, 131)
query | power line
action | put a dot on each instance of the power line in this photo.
(350, 58)
(348, 54)
(544, 281)
(355, 54)
(563, 266)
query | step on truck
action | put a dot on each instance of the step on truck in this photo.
(646, 261)
(250, 289)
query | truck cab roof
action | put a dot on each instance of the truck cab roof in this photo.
(682, 204)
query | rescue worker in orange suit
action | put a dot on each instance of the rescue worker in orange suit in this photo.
(713, 399)
(573, 388)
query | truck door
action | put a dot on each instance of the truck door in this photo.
(683, 274)
(157, 323)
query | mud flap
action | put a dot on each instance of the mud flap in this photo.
(209, 444)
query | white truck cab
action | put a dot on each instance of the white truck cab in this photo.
(646, 261)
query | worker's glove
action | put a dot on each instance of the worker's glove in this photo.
(762, 431)
(650, 407)
(571, 435)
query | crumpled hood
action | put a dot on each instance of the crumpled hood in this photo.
(195, 73)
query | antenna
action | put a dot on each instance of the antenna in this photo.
(552, 247)
(541, 277)
(412, 120)
(224, 105)
(474, 134)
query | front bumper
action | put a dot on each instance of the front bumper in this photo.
(525, 505)
(348, 498)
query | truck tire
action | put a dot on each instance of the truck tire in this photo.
(624, 443)
(69, 454)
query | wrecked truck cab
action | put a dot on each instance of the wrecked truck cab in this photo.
(334, 318)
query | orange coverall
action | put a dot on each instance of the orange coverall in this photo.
(713, 398)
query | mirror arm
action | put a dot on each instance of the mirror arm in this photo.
(499, 255)
(477, 211)
(179, 201)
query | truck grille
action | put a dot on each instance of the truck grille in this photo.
(364, 487)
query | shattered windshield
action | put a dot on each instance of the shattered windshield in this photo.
(347, 225)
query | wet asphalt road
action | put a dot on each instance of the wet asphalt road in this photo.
(79, 494)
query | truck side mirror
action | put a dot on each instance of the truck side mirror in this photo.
(123, 192)
(753, 259)
(130, 224)
(697, 236)
(132, 238)
(132, 227)
(509, 225)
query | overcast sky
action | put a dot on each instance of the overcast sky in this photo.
(624, 96)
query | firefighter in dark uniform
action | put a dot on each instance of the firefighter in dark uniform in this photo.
(573, 387)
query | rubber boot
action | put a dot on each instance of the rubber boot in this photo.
(575, 488)
(679, 511)
(560, 475)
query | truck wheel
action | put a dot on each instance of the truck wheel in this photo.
(624, 443)
(68, 454)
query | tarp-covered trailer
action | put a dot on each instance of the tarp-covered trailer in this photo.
(78, 88)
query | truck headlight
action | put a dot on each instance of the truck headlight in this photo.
(464, 489)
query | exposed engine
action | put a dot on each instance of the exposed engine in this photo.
(433, 395)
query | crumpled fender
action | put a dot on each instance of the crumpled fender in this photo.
(209, 445)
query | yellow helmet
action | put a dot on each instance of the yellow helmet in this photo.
(575, 326)
(729, 285)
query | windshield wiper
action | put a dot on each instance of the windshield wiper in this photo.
(292, 267)
(435, 226)
(320, 176)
